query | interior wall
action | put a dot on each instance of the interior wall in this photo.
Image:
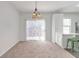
(9, 27)
(28, 16)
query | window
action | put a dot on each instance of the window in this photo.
(66, 26)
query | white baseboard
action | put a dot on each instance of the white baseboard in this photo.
(8, 48)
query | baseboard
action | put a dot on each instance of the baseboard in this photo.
(9, 48)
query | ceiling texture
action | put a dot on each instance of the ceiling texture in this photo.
(47, 6)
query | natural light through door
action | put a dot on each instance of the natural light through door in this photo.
(35, 30)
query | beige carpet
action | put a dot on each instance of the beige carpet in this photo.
(36, 49)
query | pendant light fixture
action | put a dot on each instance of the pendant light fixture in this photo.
(36, 14)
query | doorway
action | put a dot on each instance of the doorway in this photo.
(35, 30)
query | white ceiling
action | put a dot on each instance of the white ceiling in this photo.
(47, 6)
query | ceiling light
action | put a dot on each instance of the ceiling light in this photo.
(36, 14)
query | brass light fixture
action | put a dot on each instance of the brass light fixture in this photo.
(36, 14)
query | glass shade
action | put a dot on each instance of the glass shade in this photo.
(36, 14)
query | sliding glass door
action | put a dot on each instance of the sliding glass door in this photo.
(35, 30)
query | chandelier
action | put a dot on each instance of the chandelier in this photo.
(36, 14)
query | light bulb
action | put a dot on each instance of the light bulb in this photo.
(34, 14)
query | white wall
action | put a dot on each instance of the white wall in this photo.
(28, 16)
(9, 27)
(53, 28)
